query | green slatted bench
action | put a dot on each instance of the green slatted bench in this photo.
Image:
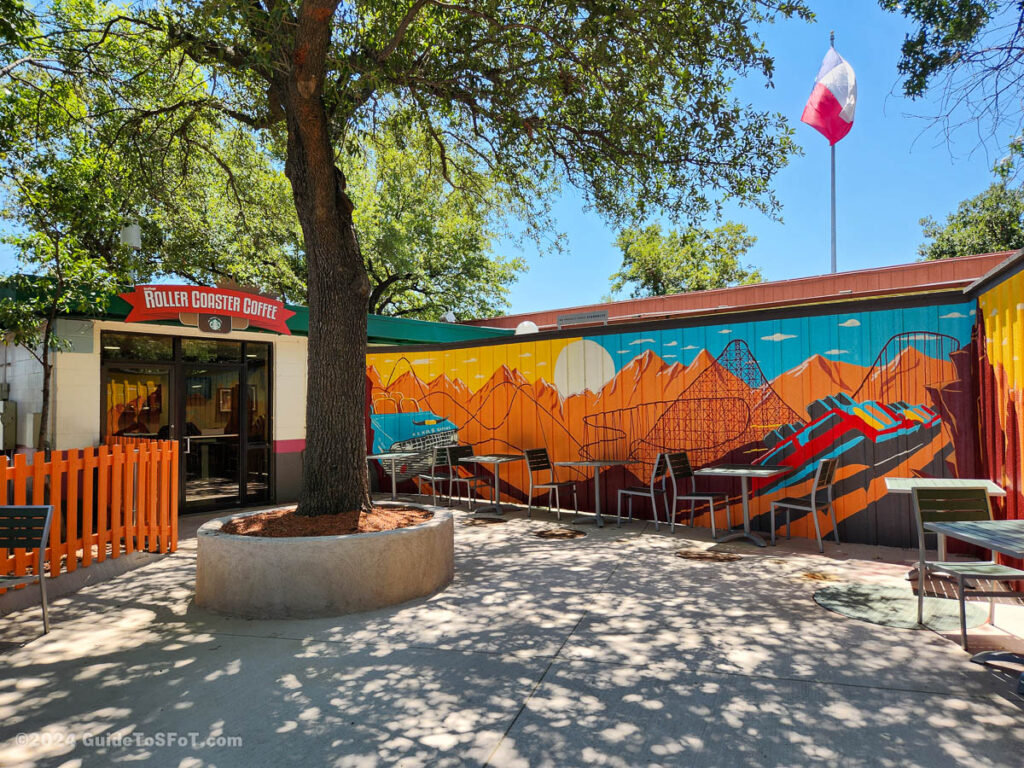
(938, 508)
(27, 528)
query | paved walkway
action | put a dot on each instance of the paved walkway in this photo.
(605, 650)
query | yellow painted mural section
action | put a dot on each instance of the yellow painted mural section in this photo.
(533, 359)
(1003, 311)
(1002, 390)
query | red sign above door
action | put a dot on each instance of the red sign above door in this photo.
(167, 302)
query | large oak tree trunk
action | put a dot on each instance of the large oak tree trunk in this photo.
(42, 438)
(334, 477)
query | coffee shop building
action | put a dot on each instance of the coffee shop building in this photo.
(222, 371)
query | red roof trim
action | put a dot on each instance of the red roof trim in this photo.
(923, 276)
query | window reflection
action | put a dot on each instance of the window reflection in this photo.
(136, 346)
(135, 403)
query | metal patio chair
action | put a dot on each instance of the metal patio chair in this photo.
(439, 473)
(537, 460)
(820, 498)
(680, 471)
(473, 481)
(934, 505)
(27, 527)
(652, 491)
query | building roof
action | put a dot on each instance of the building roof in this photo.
(379, 329)
(1002, 271)
(916, 278)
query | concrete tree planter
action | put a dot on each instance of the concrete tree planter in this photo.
(308, 576)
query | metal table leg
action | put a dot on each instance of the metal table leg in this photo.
(746, 533)
(497, 489)
(394, 482)
(597, 519)
(492, 510)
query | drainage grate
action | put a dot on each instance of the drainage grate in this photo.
(559, 533)
(708, 555)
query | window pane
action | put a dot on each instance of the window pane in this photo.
(137, 403)
(257, 478)
(203, 351)
(258, 401)
(136, 346)
(256, 352)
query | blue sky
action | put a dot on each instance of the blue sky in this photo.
(891, 171)
(781, 345)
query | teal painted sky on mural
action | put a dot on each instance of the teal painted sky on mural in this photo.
(780, 345)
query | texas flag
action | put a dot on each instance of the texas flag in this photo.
(833, 100)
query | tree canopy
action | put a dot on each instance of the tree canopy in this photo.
(990, 221)
(973, 52)
(94, 142)
(694, 259)
(428, 245)
(631, 104)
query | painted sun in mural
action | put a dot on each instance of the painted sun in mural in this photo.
(583, 365)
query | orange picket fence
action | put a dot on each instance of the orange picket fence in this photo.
(115, 499)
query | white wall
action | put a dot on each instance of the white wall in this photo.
(25, 375)
(290, 388)
(75, 417)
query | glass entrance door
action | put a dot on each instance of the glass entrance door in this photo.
(212, 436)
(214, 396)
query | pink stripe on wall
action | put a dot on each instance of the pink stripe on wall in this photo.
(289, 446)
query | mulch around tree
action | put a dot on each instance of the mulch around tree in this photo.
(284, 523)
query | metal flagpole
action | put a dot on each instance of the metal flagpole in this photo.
(833, 209)
(832, 43)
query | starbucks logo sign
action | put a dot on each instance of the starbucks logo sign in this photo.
(216, 323)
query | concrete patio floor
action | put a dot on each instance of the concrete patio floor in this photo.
(604, 650)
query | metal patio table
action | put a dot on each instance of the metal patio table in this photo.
(908, 484)
(744, 472)
(394, 457)
(596, 464)
(1003, 536)
(497, 459)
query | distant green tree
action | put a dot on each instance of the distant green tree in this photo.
(990, 221)
(428, 243)
(694, 259)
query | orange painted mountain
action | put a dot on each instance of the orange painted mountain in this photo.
(907, 377)
(648, 379)
(816, 378)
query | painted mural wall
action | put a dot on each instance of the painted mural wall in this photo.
(888, 392)
(1001, 383)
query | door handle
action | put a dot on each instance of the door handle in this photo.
(188, 444)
